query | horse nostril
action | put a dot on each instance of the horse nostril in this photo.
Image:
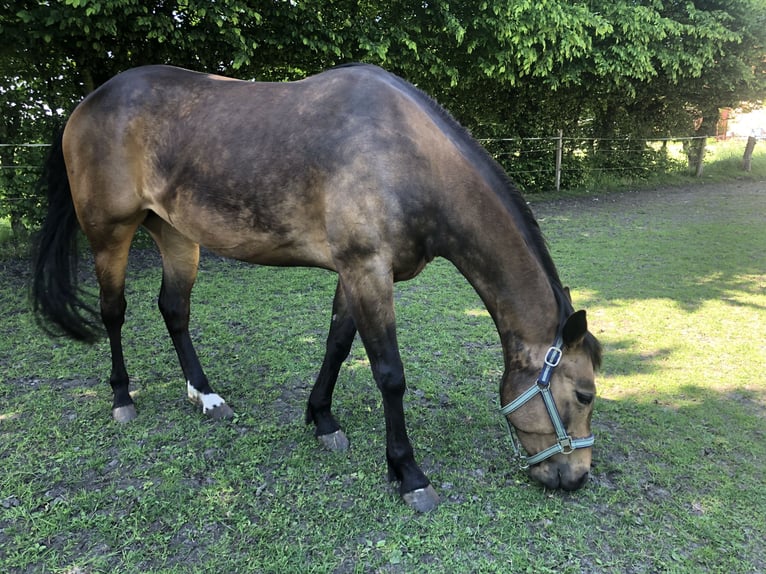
(575, 484)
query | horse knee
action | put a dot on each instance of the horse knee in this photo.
(390, 380)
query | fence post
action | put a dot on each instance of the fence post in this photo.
(559, 153)
(700, 159)
(748, 153)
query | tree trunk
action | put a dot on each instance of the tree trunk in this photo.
(88, 82)
(695, 154)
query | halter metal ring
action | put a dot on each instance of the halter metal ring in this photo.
(566, 445)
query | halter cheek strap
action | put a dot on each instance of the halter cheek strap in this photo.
(565, 444)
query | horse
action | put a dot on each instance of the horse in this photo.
(353, 170)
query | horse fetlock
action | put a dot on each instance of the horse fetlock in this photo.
(212, 404)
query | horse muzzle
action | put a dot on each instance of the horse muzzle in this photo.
(566, 474)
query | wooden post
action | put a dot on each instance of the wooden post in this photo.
(559, 153)
(700, 156)
(746, 160)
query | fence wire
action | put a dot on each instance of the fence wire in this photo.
(535, 163)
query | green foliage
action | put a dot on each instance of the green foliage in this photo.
(19, 199)
(508, 68)
(445, 47)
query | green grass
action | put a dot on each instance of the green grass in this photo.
(674, 284)
(725, 157)
(5, 229)
(12, 246)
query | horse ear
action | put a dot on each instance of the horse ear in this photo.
(568, 294)
(575, 328)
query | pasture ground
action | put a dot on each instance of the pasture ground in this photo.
(674, 281)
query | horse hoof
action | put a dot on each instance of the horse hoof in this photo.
(335, 441)
(212, 404)
(124, 414)
(220, 412)
(422, 499)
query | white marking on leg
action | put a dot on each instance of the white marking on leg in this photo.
(208, 401)
(192, 393)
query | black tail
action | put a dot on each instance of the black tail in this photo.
(57, 299)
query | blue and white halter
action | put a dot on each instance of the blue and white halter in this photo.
(565, 443)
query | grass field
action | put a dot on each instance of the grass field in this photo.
(674, 281)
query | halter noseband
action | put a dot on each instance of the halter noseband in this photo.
(565, 443)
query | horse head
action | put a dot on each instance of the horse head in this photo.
(548, 395)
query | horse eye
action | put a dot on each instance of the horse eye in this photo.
(584, 398)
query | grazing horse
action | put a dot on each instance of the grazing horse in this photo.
(353, 170)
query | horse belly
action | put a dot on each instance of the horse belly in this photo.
(261, 238)
(267, 250)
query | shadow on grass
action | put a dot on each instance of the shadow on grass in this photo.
(622, 358)
(687, 245)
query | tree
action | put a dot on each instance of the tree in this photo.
(608, 49)
(597, 68)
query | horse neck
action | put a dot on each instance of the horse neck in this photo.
(491, 251)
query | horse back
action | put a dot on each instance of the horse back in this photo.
(277, 173)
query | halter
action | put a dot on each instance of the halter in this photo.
(565, 443)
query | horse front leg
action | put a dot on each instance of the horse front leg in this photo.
(414, 487)
(180, 259)
(319, 408)
(369, 291)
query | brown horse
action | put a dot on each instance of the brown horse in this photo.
(353, 170)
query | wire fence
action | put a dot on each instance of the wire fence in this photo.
(551, 163)
(557, 162)
(20, 167)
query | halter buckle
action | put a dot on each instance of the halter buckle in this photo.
(553, 357)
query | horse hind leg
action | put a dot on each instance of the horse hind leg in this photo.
(110, 251)
(180, 259)
(339, 341)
